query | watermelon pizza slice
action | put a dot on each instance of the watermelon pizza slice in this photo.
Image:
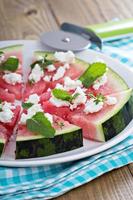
(11, 81)
(43, 134)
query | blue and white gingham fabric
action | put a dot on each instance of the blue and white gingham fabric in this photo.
(51, 181)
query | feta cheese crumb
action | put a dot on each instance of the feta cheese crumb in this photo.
(12, 78)
(6, 114)
(30, 113)
(49, 117)
(111, 100)
(36, 74)
(47, 78)
(70, 84)
(92, 107)
(51, 68)
(80, 99)
(33, 98)
(59, 73)
(58, 102)
(59, 86)
(100, 82)
(65, 57)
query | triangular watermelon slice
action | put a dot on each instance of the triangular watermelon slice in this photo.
(30, 145)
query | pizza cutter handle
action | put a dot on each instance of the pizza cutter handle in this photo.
(113, 30)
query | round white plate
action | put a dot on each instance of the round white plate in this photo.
(90, 148)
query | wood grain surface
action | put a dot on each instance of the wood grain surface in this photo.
(27, 19)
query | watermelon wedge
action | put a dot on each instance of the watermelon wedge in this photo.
(15, 89)
(108, 122)
(30, 145)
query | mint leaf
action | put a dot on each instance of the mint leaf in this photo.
(94, 71)
(42, 62)
(62, 94)
(27, 105)
(11, 64)
(41, 125)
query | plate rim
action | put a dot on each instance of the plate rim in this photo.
(40, 162)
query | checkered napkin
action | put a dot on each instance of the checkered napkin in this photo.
(47, 182)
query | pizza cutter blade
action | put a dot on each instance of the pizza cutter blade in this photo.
(64, 41)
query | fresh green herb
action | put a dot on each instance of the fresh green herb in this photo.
(60, 124)
(75, 96)
(41, 125)
(94, 71)
(11, 64)
(42, 62)
(64, 95)
(0, 101)
(27, 105)
(98, 98)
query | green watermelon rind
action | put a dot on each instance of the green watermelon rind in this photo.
(116, 121)
(33, 146)
(122, 84)
(11, 48)
(2, 144)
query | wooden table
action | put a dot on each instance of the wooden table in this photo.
(27, 19)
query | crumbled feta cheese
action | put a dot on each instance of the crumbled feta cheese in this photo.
(47, 78)
(59, 86)
(33, 98)
(36, 74)
(66, 66)
(100, 82)
(80, 99)
(58, 102)
(12, 78)
(51, 68)
(70, 84)
(6, 114)
(49, 117)
(92, 107)
(65, 57)
(59, 73)
(30, 113)
(111, 100)
(7, 106)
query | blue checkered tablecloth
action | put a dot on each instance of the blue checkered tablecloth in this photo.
(47, 182)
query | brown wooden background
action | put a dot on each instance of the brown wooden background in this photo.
(27, 19)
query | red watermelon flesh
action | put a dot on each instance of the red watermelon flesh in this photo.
(6, 95)
(13, 89)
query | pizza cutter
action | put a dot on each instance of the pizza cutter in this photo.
(71, 37)
(77, 38)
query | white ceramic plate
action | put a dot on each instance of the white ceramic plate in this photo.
(90, 148)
